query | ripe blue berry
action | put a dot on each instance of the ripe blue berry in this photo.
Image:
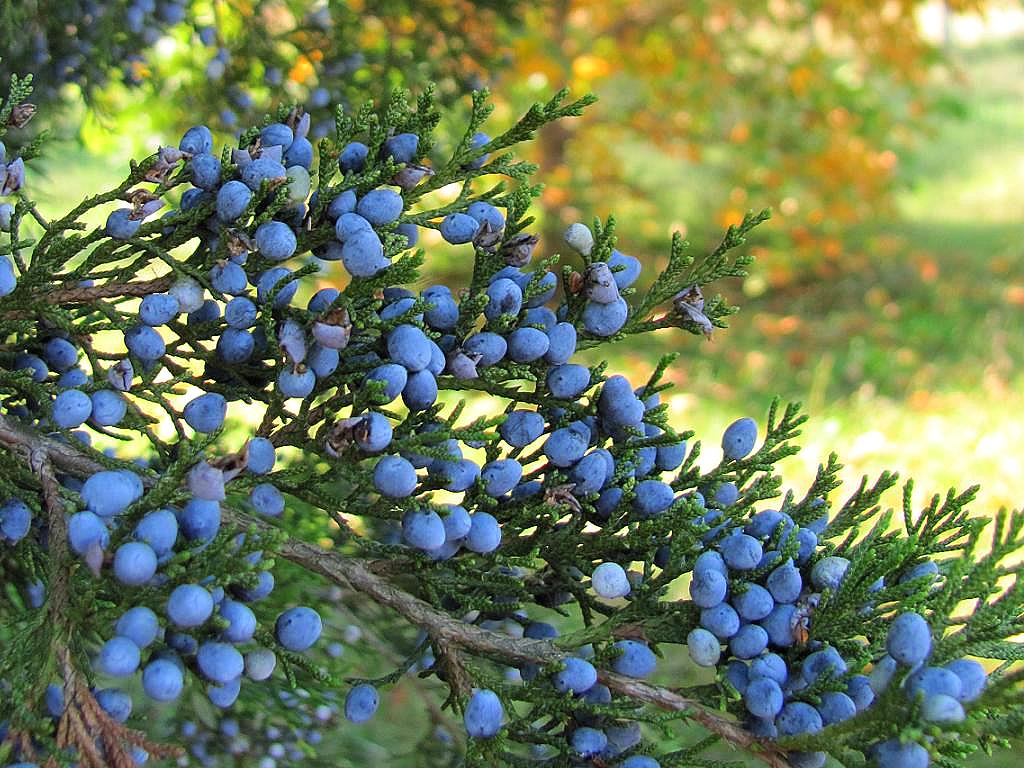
(635, 659)
(568, 381)
(910, 639)
(577, 676)
(739, 438)
(704, 647)
(394, 477)
(162, 680)
(206, 412)
(232, 200)
(504, 298)
(189, 605)
(275, 240)
(763, 697)
(119, 657)
(134, 563)
(483, 715)
(380, 206)
(605, 319)
(361, 703)
(458, 228)
(484, 533)
(138, 624)
(71, 408)
(297, 629)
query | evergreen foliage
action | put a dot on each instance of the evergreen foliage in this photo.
(238, 513)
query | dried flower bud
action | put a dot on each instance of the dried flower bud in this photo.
(121, 375)
(411, 175)
(340, 435)
(462, 365)
(21, 114)
(690, 304)
(14, 178)
(487, 237)
(575, 283)
(518, 250)
(599, 283)
(292, 340)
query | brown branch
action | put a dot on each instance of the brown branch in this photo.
(81, 295)
(442, 628)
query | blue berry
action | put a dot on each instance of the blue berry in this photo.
(380, 206)
(739, 438)
(277, 134)
(361, 703)
(605, 319)
(972, 678)
(121, 226)
(71, 408)
(145, 343)
(260, 664)
(754, 603)
(577, 676)
(501, 476)
(629, 272)
(60, 354)
(458, 228)
(610, 581)
(527, 344)
(267, 500)
(561, 344)
(219, 662)
(260, 170)
(504, 297)
(785, 583)
(275, 240)
(232, 200)
(483, 715)
(741, 552)
(115, 702)
(85, 530)
(721, 620)
(749, 642)
(708, 588)
(835, 707)
(297, 629)
(652, 498)
(568, 381)
(423, 529)
(205, 171)
(241, 621)
(226, 277)
(119, 657)
(394, 477)
(798, 718)
(910, 639)
(134, 563)
(489, 346)
(197, 140)
(206, 412)
(353, 157)
(828, 573)
(589, 742)
(402, 147)
(893, 754)
(705, 649)
(296, 382)
(566, 446)
(408, 346)
(420, 391)
(484, 533)
(109, 492)
(189, 605)
(635, 659)
(763, 697)
(200, 519)
(235, 346)
(138, 624)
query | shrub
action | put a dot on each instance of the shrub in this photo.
(249, 450)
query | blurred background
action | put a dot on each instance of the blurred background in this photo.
(887, 137)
